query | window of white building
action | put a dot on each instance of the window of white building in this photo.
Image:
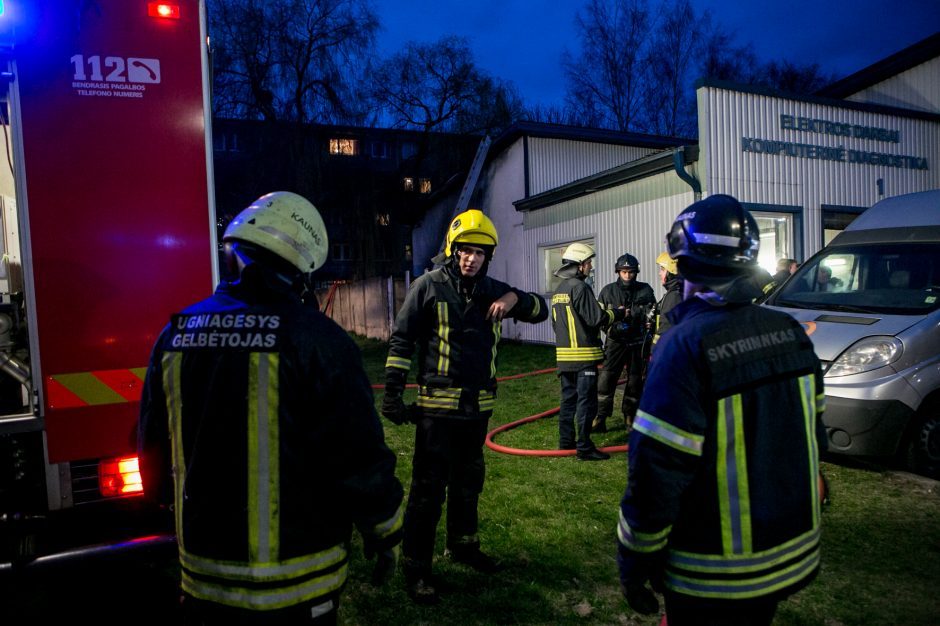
(780, 233)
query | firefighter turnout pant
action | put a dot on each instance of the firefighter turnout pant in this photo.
(619, 357)
(578, 406)
(448, 462)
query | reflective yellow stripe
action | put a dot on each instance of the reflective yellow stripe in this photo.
(579, 354)
(398, 362)
(438, 403)
(449, 398)
(734, 499)
(89, 388)
(265, 599)
(808, 397)
(174, 408)
(391, 525)
(264, 572)
(536, 306)
(641, 542)
(746, 563)
(263, 457)
(497, 333)
(743, 588)
(443, 331)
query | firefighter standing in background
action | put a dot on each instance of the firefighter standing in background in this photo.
(722, 503)
(672, 283)
(258, 429)
(578, 319)
(623, 349)
(452, 318)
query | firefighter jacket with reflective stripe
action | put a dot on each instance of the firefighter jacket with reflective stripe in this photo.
(258, 426)
(670, 299)
(578, 319)
(723, 488)
(638, 300)
(443, 319)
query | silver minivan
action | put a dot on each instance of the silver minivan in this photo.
(870, 302)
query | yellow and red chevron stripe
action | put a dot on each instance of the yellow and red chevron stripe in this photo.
(65, 391)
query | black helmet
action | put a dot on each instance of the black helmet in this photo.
(627, 261)
(714, 240)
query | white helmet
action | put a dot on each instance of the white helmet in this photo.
(577, 253)
(284, 224)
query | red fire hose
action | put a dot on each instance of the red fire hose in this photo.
(492, 445)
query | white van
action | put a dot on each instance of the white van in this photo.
(870, 302)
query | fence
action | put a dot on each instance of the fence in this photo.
(365, 307)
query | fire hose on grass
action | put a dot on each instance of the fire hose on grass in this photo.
(492, 445)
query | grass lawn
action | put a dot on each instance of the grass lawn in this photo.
(553, 521)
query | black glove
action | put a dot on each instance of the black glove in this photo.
(393, 407)
(384, 566)
(639, 597)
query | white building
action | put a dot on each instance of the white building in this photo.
(804, 166)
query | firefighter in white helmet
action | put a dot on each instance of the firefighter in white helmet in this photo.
(451, 321)
(258, 430)
(578, 320)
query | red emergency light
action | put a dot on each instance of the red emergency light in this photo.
(120, 477)
(164, 10)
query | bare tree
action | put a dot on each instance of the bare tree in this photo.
(605, 79)
(723, 59)
(289, 60)
(552, 114)
(801, 79)
(676, 47)
(437, 86)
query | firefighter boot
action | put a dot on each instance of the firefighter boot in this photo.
(470, 555)
(419, 585)
(599, 425)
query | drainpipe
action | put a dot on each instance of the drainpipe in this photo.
(678, 162)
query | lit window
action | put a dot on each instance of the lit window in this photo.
(776, 235)
(346, 147)
(408, 184)
(424, 185)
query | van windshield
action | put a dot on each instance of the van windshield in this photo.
(887, 279)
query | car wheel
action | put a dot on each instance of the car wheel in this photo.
(923, 451)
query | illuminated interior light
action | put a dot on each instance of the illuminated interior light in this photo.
(164, 10)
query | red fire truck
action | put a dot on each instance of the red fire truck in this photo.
(108, 225)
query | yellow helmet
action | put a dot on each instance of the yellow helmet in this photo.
(472, 227)
(284, 224)
(667, 263)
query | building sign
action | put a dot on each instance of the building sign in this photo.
(807, 150)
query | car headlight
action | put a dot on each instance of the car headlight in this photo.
(865, 355)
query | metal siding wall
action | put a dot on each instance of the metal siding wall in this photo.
(556, 162)
(503, 182)
(616, 227)
(728, 116)
(918, 88)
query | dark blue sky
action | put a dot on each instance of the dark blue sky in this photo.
(522, 40)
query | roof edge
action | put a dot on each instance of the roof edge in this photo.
(655, 163)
